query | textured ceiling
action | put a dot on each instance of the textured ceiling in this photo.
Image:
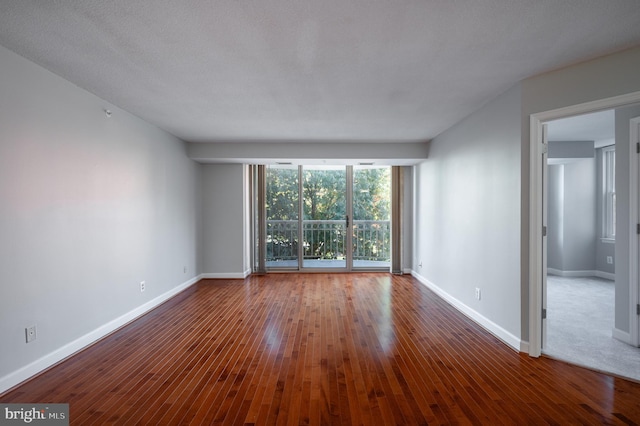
(597, 126)
(302, 70)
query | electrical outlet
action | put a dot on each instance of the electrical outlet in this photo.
(477, 293)
(610, 260)
(142, 286)
(30, 333)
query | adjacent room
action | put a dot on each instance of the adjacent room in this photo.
(581, 246)
(244, 212)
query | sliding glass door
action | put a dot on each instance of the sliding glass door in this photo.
(282, 214)
(371, 217)
(325, 222)
(333, 218)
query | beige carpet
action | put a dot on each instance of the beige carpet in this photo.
(580, 320)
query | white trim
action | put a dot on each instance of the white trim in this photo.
(562, 273)
(599, 274)
(606, 275)
(480, 319)
(227, 275)
(39, 365)
(535, 239)
(634, 219)
(407, 271)
(587, 107)
(535, 203)
(623, 336)
(556, 272)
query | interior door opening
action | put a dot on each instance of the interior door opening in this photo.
(582, 318)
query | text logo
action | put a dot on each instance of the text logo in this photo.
(36, 414)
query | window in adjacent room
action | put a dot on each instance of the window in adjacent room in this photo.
(609, 192)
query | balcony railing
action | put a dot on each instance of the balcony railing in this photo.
(326, 239)
(372, 240)
(282, 240)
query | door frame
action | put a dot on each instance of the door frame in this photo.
(395, 213)
(537, 244)
(348, 170)
(634, 219)
(545, 224)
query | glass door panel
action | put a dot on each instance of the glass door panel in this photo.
(371, 217)
(282, 228)
(324, 224)
(327, 217)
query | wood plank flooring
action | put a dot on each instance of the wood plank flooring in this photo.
(320, 349)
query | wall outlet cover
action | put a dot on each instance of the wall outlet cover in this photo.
(30, 333)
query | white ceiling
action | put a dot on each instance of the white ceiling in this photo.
(303, 70)
(598, 127)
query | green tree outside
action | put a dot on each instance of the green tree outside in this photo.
(323, 192)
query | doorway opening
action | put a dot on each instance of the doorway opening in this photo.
(581, 232)
(617, 211)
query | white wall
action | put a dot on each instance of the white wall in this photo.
(580, 215)
(571, 216)
(89, 207)
(406, 153)
(225, 232)
(467, 215)
(555, 217)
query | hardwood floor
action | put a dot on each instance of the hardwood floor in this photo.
(320, 349)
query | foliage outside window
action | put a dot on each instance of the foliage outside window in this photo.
(282, 212)
(372, 213)
(313, 197)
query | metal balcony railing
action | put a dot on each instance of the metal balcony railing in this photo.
(326, 239)
(372, 240)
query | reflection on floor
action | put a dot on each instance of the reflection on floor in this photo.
(580, 320)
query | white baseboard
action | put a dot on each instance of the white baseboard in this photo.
(562, 273)
(623, 336)
(483, 321)
(606, 275)
(577, 274)
(227, 275)
(30, 370)
(407, 271)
